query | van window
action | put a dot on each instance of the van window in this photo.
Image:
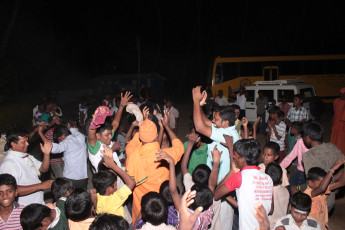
(288, 93)
(250, 95)
(269, 94)
(307, 93)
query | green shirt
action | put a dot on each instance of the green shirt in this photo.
(197, 157)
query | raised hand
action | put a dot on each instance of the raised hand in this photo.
(216, 154)
(46, 148)
(197, 96)
(125, 98)
(187, 220)
(204, 97)
(164, 156)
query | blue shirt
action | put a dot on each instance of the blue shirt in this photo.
(75, 155)
(217, 137)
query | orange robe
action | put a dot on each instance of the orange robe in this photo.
(338, 128)
(148, 174)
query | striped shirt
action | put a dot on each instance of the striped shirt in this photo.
(297, 115)
(13, 222)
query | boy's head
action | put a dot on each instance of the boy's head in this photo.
(165, 192)
(78, 205)
(275, 172)
(107, 221)
(300, 205)
(203, 198)
(8, 190)
(105, 182)
(298, 100)
(315, 176)
(224, 117)
(271, 152)
(236, 109)
(36, 216)
(154, 209)
(276, 113)
(312, 131)
(61, 132)
(201, 174)
(246, 152)
(61, 187)
(296, 128)
(104, 132)
(17, 139)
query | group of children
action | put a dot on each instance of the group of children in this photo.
(222, 166)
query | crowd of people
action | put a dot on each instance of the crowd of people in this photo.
(228, 180)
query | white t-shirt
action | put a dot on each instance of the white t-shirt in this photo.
(25, 168)
(241, 101)
(173, 114)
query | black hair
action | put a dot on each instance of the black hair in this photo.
(203, 197)
(8, 179)
(13, 135)
(201, 174)
(234, 106)
(277, 110)
(102, 180)
(227, 113)
(108, 221)
(274, 146)
(274, 170)
(314, 130)
(165, 192)
(78, 205)
(106, 126)
(59, 130)
(298, 126)
(299, 96)
(32, 216)
(154, 209)
(249, 149)
(316, 173)
(60, 187)
(301, 201)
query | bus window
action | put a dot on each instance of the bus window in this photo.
(288, 93)
(250, 95)
(307, 93)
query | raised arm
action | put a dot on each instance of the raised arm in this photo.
(109, 163)
(163, 156)
(124, 102)
(200, 125)
(193, 138)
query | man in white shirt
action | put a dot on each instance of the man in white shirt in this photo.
(72, 143)
(25, 168)
(173, 114)
(220, 99)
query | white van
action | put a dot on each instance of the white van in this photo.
(276, 90)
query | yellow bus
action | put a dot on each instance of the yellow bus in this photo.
(325, 72)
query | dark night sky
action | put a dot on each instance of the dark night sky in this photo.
(53, 41)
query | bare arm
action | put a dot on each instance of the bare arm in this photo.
(172, 177)
(109, 162)
(200, 125)
(193, 138)
(123, 103)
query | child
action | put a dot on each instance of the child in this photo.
(318, 180)
(300, 205)
(109, 199)
(280, 193)
(109, 221)
(9, 209)
(80, 209)
(38, 216)
(271, 154)
(251, 185)
(277, 130)
(155, 211)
